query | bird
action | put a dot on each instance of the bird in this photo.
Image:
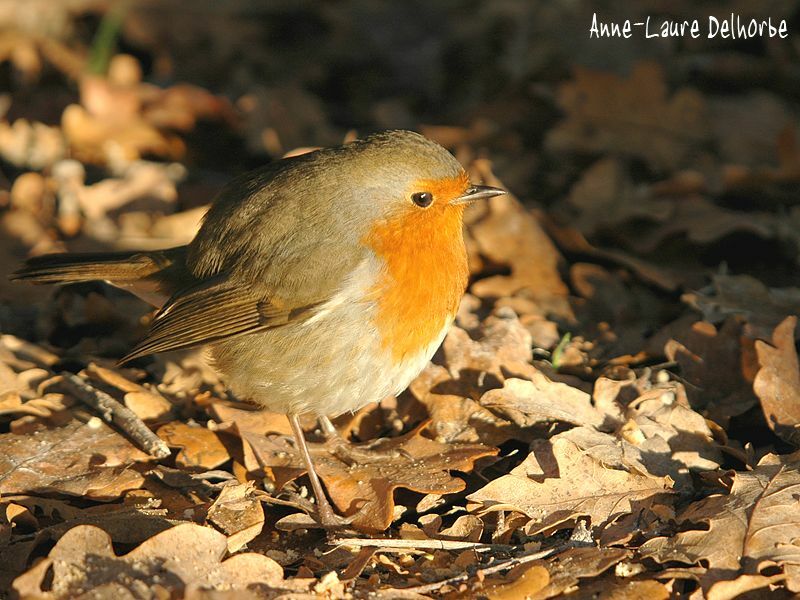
(321, 282)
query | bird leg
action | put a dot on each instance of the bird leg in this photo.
(351, 454)
(328, 519)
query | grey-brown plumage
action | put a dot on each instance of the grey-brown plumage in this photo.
(271, 246)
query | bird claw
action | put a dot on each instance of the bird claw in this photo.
(334, 525)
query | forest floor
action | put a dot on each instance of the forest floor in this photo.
(616, 412)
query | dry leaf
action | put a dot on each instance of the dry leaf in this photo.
(532, 580)
(574, 564)
(365, 487)
(90, 460)
(31, 144)
(527, 403)
(509, 235)
(703, 222)
(737, 588)
(777, 384)
(711, 362)
(453, 417)
(238, 514)
(146, 403)
(503, 341)
(184, 558)
(200, 447)
(560, 481)
(618, 589)
(606, 197)
(742, 295)
(753, 527)
(632, 116)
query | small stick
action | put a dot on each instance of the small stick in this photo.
(356, 567)
(112, 411)
(501, 566)
(399, 545)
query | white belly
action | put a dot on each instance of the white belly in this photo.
(332, 363)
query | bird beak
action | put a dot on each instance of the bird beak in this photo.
(478, 192)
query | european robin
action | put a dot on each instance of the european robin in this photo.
(321, 282)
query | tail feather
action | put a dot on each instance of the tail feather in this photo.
(92, 266)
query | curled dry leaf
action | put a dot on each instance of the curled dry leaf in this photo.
(711, 361)
(540, 400)
(90, 460)
(560, 480)
(606, 197)
(510, 235)
(742, 295)
(455, 418)
(468, 528)
(238, 514)
(753, 527)
(502, 342)
(777, 384)
(200, 447)
(574, 564)
(185, 558)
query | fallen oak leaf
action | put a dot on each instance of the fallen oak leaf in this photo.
(78, 460)
(711, 361)
(528, 584)
(453, 417)
(200, 447)
(572, 240)
(238, 514)
(777, 383)
(510, 235)
(251, 419)
(752, 528)
(605, 197)
(737, 588)
(567, 568)
(503, 341)
(364, 487)
(561, 480)
(632, 116)
(703, 222)
(540, 400)
(743, 295)
(673, 438)
(185, 558)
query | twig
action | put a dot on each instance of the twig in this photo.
(120, 415)
(501, 566)
(390, 545)
(356, 567)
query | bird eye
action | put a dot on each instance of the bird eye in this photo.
(422, 199)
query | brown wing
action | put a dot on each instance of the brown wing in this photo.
(209, 312)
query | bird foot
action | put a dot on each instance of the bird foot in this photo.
(334, 525)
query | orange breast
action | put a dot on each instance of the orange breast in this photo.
(425, 276)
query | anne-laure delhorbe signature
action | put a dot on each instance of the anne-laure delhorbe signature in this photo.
(732, 26)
